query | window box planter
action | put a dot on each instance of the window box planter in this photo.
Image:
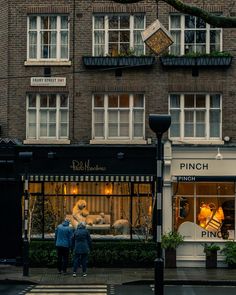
(118, 61)
(190, 61)
(177, 61)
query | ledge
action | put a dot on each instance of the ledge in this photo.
(118, 61)
(199, 61)
(117, 141)
(46, 141)
(47, 63)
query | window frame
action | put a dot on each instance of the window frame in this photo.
(183, 48)
(105, 109)
(39, 30)
(107, 30)
(182, 120)
(38, 108)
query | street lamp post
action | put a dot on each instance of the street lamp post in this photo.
(26, 157)
(159, 124)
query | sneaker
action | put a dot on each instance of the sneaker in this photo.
(84, 275)
(74, 274)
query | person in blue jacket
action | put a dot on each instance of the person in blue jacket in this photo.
(81, 243)
(63, 235)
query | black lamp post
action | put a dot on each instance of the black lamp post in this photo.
(159, 124)
(26, 157)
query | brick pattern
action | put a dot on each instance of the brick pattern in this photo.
(156, 83)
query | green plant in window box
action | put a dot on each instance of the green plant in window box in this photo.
(229, 250)
(170, 242)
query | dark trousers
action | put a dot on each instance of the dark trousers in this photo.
(80, 260)
(62, 258)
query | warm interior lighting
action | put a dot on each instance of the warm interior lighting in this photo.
(108, 189)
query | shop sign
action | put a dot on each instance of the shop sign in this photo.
(86, 166)
(199, 167)
(193, 231)
(48, 81)
(157, 37)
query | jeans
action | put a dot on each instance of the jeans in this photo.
(80, 260)
(62, 258)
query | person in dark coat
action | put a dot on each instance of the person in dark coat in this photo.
(63, 236)
(81, 243)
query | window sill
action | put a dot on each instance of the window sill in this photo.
(195, 141)
(46, 141)
(117, 141)
(46, 63)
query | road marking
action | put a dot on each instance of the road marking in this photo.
(68, 290)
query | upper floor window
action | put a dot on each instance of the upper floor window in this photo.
(195, 116)
(48, 37)
(118, 116)
(47, 116)
(192, 34)
(116, 34)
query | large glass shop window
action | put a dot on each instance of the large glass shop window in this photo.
(113, 209)
(204, 210)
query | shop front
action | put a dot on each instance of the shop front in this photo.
(110, 188)
(202, 198)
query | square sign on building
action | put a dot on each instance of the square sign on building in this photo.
(156, 37)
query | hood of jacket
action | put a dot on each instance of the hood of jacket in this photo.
(66, 223)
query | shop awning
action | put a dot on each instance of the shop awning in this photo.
(96, 178)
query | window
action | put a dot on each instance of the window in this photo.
(107, 205)
(118, 116)
(118, 34)
(47, 116)
(195, 116)
(208, 208)
(48, 37)
(192, 34)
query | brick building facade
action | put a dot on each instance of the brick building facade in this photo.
(86, 123)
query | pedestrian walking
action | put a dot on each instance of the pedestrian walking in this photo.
(81, 243)
(63, 236)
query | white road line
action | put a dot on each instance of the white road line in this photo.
(68, 290)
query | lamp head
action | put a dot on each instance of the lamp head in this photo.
(159, 123)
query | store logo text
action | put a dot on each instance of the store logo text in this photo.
(193, 166)
(86, 166)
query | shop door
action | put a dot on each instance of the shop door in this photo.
(10, 225)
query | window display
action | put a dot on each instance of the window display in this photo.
(108, 208)
(206, 209)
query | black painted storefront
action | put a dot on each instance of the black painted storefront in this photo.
(64, 163)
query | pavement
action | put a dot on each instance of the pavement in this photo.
(119, 276)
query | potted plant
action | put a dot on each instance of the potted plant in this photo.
(170, 241)
(229, 251)
(210, 249)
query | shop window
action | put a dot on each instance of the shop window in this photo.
(205, 210)
(109, 209)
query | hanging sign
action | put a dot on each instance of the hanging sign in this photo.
(157, 38)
